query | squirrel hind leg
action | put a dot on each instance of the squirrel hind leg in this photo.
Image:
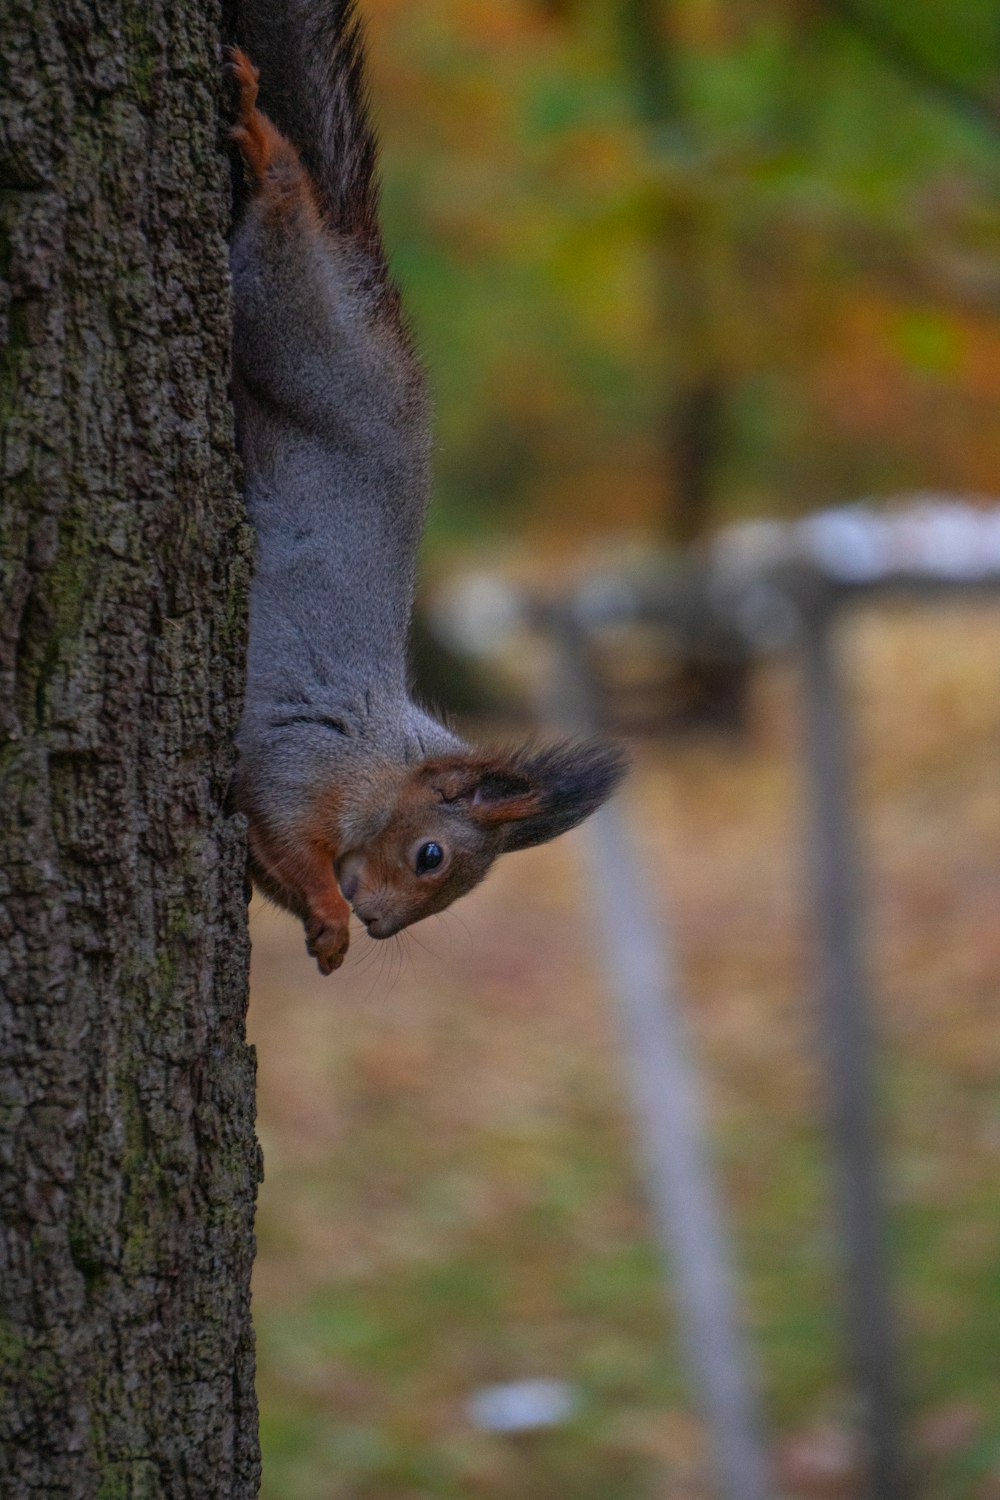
(261, 144)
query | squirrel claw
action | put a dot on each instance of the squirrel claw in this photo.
(327, 942)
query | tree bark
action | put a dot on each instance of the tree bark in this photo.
(128, 1164)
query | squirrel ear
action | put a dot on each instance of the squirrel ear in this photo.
(533, 796)
(480, 782)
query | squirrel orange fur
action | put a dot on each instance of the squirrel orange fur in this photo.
(354, 795)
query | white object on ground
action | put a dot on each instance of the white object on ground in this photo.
(522, 1405)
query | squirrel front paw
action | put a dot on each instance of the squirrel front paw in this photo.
(327, 942)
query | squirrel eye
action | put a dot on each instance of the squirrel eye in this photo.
(429, 856)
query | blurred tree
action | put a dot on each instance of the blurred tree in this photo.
(821, 317)
(127, 1091)
(694, 394)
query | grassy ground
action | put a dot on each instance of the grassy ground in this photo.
(451, 1196)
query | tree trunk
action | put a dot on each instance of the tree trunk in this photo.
(695, 394)
(128, 1164)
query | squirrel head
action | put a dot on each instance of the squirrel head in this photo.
(452, 816)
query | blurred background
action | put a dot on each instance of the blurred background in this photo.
(673, 264)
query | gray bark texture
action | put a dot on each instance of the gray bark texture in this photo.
(128, 1163)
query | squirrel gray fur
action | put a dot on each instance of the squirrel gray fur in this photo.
(354, 795)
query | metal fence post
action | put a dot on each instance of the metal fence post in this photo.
(666, 1100)
(846, 1027)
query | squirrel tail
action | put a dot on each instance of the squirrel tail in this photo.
(312, 85)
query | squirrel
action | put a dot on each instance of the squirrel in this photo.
(354, 795)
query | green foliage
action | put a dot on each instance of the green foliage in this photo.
(578, 239)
